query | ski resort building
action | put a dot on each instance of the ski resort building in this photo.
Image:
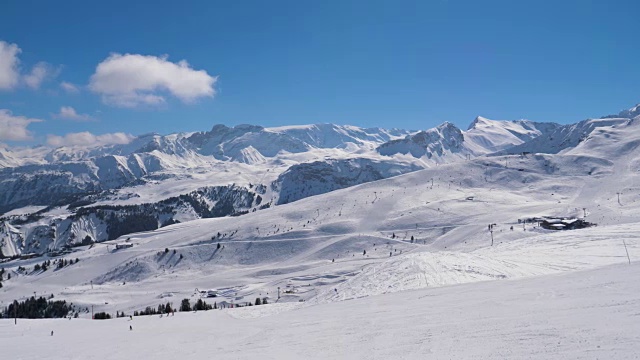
(550, 223)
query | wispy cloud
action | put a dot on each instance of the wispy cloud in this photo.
(133, 80)
(69, 87)
(9, 70)
(69, 113)
(10, 73)
(39, 73)
(87, 139)
(14, 128)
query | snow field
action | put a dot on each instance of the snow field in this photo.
(581, 315)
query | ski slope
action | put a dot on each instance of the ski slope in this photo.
(316, 245)
(582, 315)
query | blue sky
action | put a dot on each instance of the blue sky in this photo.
(409, 64)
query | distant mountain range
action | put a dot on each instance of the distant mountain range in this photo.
(51, 198)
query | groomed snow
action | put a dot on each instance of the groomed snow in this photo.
(584, 315)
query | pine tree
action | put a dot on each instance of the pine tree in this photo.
(258, 301)
(185, 305)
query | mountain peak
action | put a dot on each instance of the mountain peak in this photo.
(625, 114)
(221, 128)
(481, 121)
(630, 113)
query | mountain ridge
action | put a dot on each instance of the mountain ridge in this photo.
(291, 162)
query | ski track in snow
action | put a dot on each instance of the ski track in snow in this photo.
(581, 315)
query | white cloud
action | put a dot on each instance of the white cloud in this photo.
(10, 75)
(14, 128)
(132, 80)
(39, 73)
(9, 72)
(69, 113)
(86, 138)
(69, 87)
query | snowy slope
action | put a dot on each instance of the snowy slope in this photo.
(316, 244)
(11, 240)
(564, 137)
(584, 315)
(400, 290)
(488, 136)
(354, 223)
(309, 179)
(324, 236)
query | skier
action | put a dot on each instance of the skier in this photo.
(130, 327)
(51, 332)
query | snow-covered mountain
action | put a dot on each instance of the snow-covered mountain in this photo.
(488, 136)
(563, 137)
(630, 113)
(483, 137)
(307, 230)
(67, 172)
(425, 228)
(100, 193)
(437, 142)
(319, 177)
